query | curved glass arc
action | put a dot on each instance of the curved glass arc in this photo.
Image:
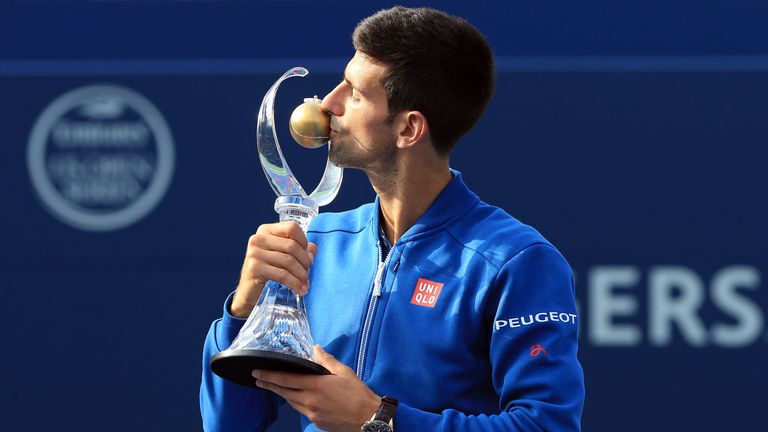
(279, 174)
(329, 185)
(273, 162)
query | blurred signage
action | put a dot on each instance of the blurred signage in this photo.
(100, 157)
(665, 305)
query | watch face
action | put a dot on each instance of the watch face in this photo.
(377, 426)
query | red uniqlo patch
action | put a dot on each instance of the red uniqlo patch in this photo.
(426, 293)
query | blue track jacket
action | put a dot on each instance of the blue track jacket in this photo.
(471, 327)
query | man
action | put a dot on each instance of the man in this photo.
(463, 316)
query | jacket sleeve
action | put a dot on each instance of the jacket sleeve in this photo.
(533, 346)
(226, 406)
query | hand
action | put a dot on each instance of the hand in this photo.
(278, 252)
(336, 403)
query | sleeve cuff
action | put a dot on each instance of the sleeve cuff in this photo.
(412, 419)
(229, 326)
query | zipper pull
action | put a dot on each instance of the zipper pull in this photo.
(397, 264)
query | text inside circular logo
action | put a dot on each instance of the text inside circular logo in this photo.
(100, 157)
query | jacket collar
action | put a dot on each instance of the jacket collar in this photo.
(453, 201)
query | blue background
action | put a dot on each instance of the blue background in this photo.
(631, 133)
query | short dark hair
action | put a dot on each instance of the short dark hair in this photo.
(437, 63)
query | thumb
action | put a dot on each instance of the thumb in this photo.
(328, 361)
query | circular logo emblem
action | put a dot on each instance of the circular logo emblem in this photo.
(100, 157)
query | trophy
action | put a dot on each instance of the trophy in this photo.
(276, 334)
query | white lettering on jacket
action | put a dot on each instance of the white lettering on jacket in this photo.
(541, 317)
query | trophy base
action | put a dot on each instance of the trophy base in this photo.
(236, 365)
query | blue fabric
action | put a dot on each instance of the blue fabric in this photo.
(494, 351)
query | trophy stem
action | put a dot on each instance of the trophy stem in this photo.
(278, 322)
(297, 209)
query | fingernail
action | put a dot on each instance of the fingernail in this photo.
(259, 383)
(256, 373)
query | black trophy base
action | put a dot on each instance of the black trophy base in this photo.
(237, 365)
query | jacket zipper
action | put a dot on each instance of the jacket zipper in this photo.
(377, 280)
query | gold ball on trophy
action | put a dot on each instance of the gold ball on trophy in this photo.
(310, 125)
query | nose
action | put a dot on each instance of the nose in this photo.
(332, 102)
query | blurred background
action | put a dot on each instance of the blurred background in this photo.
(632, 134)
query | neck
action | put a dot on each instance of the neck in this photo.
(407, 193)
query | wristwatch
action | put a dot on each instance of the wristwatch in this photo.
(382, 421)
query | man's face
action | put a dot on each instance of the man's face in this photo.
(361, 136)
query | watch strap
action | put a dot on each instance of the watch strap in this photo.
(386, 411)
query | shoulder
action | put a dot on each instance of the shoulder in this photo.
(498, 236)
(351, 221)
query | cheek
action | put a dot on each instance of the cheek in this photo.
(366, 122)
(374, 120)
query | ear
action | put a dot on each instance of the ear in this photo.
(412, 128)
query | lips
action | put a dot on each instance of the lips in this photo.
(335, 128)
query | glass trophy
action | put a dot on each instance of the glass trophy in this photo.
(276, 334)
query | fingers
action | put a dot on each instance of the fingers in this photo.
(278, 252)
(283, 261)
(312, 248)
(290, 387)
(295, 278)
(290, 230)
(290, 395)
(323, 358)
(330, 362)
(284, 245)
(284, 381)
(295, 405)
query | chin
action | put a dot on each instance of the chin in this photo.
(343, 162)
